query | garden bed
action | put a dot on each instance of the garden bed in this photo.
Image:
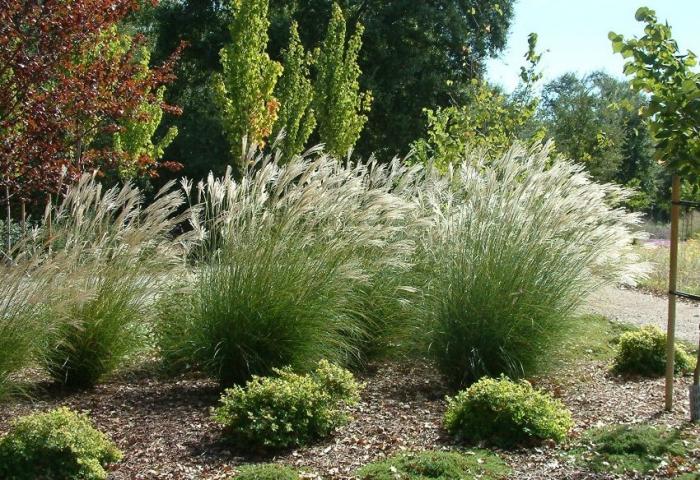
(165, 429)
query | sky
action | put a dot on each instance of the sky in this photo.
(573, 34)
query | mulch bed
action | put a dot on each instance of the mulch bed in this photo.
(165, 430)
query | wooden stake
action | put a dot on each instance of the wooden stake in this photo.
(48, 219)
(23, 214)
(672, 287)
(8, 219)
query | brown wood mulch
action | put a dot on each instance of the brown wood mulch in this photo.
(165, 430)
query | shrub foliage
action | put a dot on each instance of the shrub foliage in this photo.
(59, 444)
(288, 409)
(643, 352)
(506, 413)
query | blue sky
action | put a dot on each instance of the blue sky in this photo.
(574, 34)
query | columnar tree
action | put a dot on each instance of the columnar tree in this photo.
(69, 79)
(340, 105)
(296, 116)
(245, 88)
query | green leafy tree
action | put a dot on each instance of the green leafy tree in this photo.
(595, 120)
(415, 55)
(659, 69)
(204, 25)
(245, 88)
(135, 140)
(489, 121)
(296, 117)
(340, 106)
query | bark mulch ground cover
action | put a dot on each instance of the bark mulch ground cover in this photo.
(165, 430)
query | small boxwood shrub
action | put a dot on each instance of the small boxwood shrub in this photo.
(58, 444)
(629, 448)
(266, 472)
(288, 409)
(643, 352)
(437, 465)
(506, 413)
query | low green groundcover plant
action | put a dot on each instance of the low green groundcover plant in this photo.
(56, 445)
(437, 465)
(506, 413)
(630, 448)
(643, 352)
(266, 472)
(288, 409)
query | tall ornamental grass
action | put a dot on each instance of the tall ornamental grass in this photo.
(115, 254)
(516, 244)
(23, 328)
(288, 256)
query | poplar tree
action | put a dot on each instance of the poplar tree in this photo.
(245, 88)
(340, 106)
(296, 115)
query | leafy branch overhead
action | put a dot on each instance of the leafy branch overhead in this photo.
(658, 68)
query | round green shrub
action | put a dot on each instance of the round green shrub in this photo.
(643, 352)
(506, 413)
(288, 409)
(56, 445)
(437, 465)
(266, 472)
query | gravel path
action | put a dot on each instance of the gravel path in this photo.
(641, 308)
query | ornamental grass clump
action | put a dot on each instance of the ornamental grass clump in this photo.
(59, 444)
(516, 243)
(506, 413)
(288, 254)
(643, 352)
(23, 326)
(288, 409)
(114, 254)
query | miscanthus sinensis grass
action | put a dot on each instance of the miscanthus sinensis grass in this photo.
(516, 243)
(288, 256)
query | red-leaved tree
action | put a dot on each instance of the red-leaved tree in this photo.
(69, 78)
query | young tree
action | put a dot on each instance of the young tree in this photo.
(296, 117)
(489, 121)
(245, 88)
(69, 79)
(134, 141)
(340, 106)
(659, 69)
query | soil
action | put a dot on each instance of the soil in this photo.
(165, 429)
